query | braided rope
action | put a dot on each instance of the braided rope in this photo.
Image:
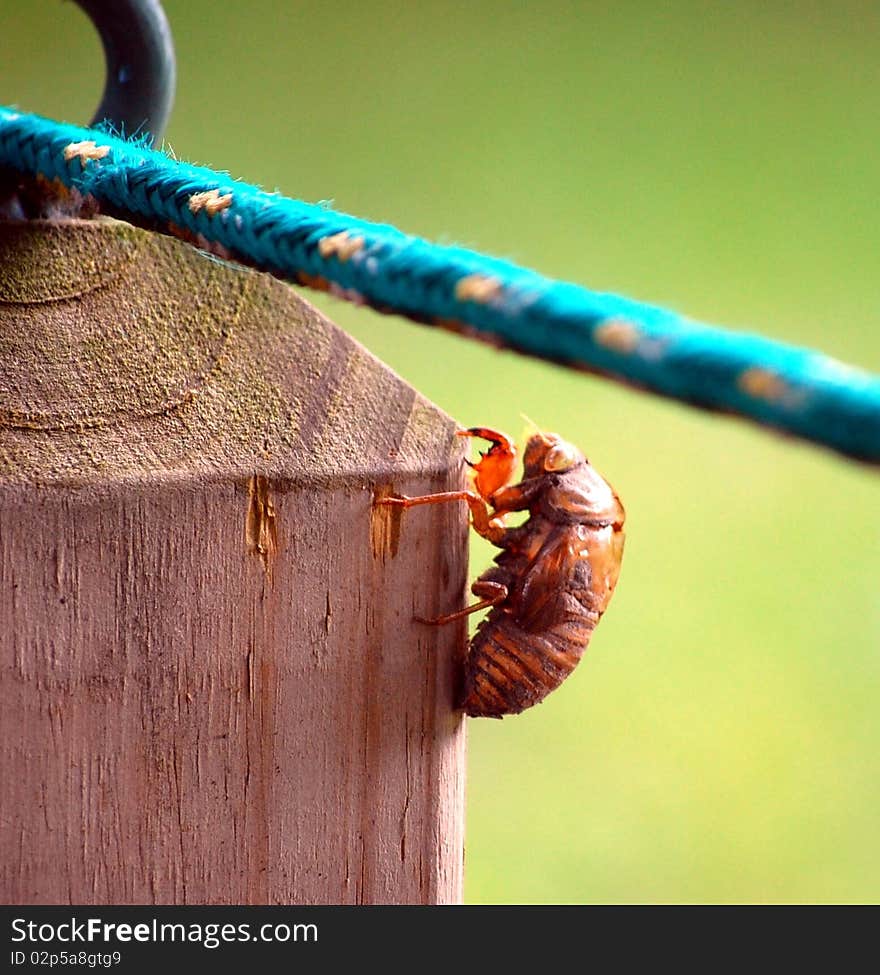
(796, 390)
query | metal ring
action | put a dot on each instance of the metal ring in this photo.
(139, 89)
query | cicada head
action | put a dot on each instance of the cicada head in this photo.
(548, 453)
(585, 494)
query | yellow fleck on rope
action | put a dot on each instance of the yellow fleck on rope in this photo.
(342, 245)
(617, 334)
(763, 384)
(84, 151)
(211, 201)
(477, 287)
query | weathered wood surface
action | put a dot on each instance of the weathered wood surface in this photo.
(212, 687)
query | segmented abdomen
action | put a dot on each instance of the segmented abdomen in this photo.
(508, 669)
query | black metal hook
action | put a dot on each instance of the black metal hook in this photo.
(139, 89)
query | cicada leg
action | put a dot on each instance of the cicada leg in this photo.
(493, 593)
(495, 467)
(487, 525)
(403, 501)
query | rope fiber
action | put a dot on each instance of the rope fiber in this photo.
(796, 390)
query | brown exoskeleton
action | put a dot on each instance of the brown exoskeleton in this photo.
(553, 578)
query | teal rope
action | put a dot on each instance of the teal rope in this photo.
(795, 390)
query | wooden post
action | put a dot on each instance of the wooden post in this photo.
(213, 690)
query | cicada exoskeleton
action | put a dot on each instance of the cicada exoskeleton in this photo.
(553, 578)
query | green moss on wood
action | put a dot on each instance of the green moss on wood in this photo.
(123, 353)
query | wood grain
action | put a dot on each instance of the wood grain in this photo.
(213, 690)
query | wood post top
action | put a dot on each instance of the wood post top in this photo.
(125, 354)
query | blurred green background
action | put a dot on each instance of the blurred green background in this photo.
(721, 740)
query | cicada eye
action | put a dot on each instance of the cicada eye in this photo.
(560, 458)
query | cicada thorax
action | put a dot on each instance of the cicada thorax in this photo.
(560, 569)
